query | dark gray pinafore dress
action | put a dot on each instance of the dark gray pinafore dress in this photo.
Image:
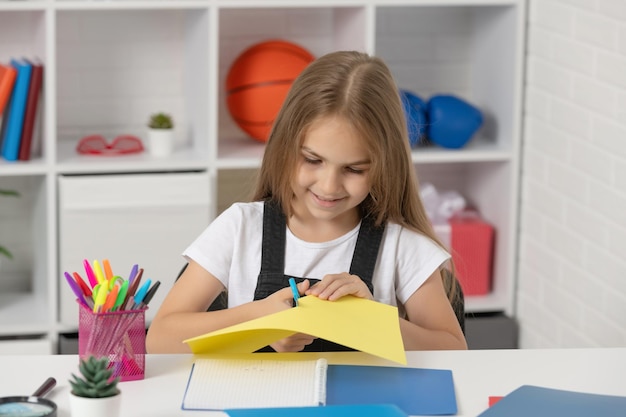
(272, 276)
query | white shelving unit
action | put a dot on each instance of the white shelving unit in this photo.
(109, 64)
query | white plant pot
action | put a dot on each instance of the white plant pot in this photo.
(95, 407)
(160, 142)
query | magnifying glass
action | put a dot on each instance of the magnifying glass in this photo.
(30, 406)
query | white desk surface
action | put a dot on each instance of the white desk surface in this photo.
(477, 375)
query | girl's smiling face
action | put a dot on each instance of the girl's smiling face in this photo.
(332, 175)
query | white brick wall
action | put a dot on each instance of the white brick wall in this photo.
(572, 268)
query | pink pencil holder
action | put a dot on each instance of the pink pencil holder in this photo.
(120, 336)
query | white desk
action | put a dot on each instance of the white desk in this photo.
(477, 375)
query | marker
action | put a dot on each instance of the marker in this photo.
(150, 294)
(90, 275)
(131, 291)
(133, 273)
(81, 283)
(98, 271)
(141, 294)
(100, 298)
(121, 296)
(76, 289)
(294, 290)
(108, 272)
(111, 299)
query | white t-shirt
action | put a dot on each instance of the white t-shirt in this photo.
(230, 249)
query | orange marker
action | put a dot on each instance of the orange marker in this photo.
(108, 272)
(110, 301)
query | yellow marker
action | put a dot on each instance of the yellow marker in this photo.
(100, 298)
(98, 271)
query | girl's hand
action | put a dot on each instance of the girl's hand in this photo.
(293, 343)
(334, 286)
(283, 298)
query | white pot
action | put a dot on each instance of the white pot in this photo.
(160, 142)
(95, 407)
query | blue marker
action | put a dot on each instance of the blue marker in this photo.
(294, 290)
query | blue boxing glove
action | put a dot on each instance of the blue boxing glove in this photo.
(452, 121)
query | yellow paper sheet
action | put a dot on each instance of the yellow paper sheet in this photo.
(361, 324)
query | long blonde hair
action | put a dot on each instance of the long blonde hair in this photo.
(360, 89)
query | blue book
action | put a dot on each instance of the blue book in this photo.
(15, 122)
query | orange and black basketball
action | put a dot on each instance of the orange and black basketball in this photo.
(258, 81)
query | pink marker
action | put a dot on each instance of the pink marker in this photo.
(93, 281)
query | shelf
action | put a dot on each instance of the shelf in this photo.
(70, 162)
(35, 166)
(110, 64)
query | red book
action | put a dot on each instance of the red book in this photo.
(7, 79)
(32, 102)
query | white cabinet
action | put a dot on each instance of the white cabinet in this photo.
(143, 219)
(109, 65)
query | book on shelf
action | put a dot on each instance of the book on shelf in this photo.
(15, 118)
(7, 80)
(31, 112)
(3, 124)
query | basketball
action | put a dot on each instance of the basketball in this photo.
(258, 81)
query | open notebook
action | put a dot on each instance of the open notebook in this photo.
(251, 383)
(218, 384)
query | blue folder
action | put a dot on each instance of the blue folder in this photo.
(416, 391)
(529, 400)
(375, 410)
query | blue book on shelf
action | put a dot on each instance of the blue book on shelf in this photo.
(15, 122)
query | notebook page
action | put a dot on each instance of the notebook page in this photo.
(218, 384)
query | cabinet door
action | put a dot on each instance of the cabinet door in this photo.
(144, 219)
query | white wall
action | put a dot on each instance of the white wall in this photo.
(572, 268)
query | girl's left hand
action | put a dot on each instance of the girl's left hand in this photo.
(334, 286)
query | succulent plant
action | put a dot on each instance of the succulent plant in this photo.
(161, 121)
(96, 381)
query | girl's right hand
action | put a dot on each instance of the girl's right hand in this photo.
(282, 300)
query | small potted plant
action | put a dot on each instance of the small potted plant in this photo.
(95, 394)
(160, 134)
(10, 193)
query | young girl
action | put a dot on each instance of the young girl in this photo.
(336, 206)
